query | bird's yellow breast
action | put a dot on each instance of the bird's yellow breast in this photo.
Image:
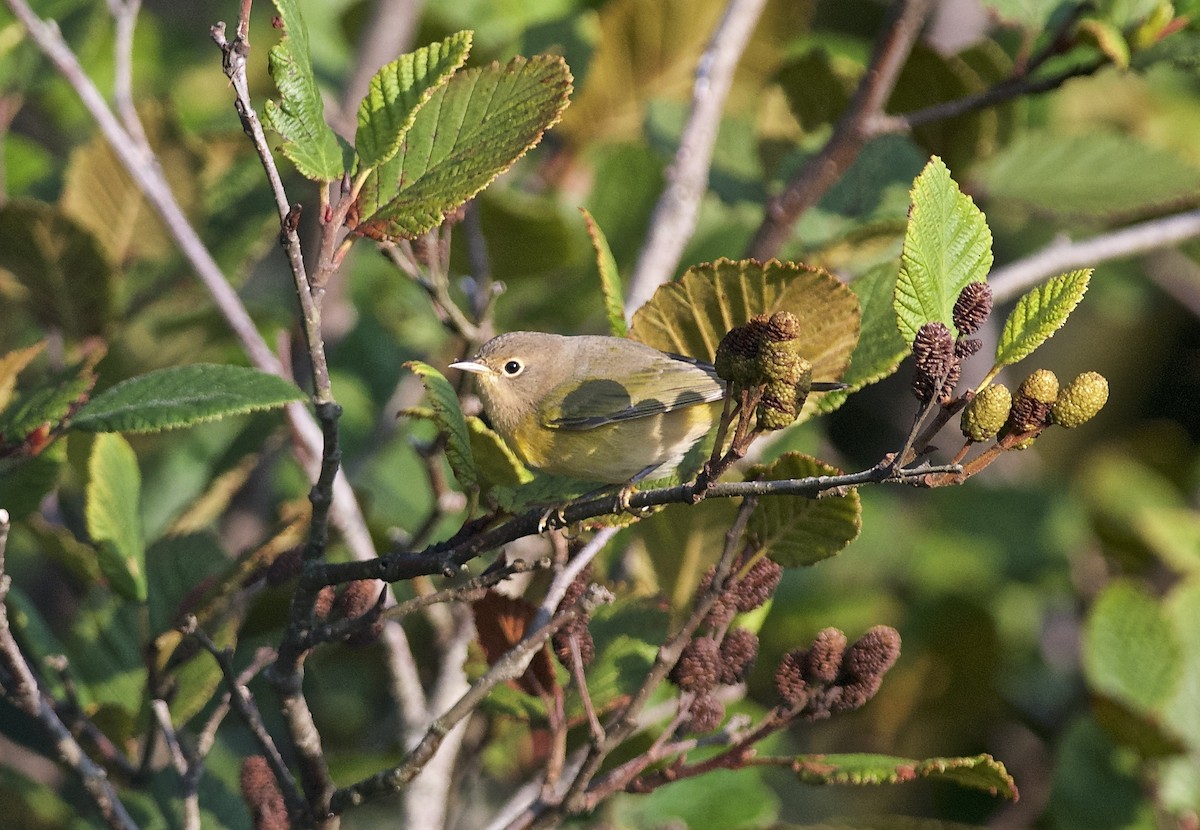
(616, 452)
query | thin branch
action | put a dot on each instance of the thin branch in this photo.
(624, 721)
(510, 666)
(180, 761)
(208, 735)
(234, 63)
(20, 687)
(1178, 275)
(674, 219)
(124, 13)
(471, 589)
(851, 133)
(427, 796)
(447, 557)
(1009, 89)
(1009, 281)
(563, 579)
(243, 703)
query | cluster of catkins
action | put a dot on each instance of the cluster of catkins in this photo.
(994, 410)
(766, 352)
(939, 355)
(576, 631)
(827, 677)
(719, 655)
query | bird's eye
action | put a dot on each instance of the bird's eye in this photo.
(513, 368)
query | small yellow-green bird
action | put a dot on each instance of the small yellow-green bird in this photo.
(602, 409)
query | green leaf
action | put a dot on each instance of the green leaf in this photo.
(24, 482)
(644, 51)
(399, 90)
(625, 634)
(299, 117)
(930, 77)
(34, 414)
(1180, 713)
(797, 531)
(1173, 533)
(67, 277)
(692, 314)
(1096, 784)
(38, 640)
(183, 396)
(1130, 649)
(473, 128)
(1094, 174)
(177, 568)
(113, 522)
(199, 676)
(880, 348)
(1039, 314)
(978, 772)
(610, 278)
(105, 651)
(947, 245)
(450, 422)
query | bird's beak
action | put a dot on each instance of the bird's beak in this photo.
(471, 366)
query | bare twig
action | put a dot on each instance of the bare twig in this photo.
(510, 666)
(124, 13)
(180, 761)
(674, 217)
(624, 721)
(20, 687)
(1008, 281)
(427, 796)
(471, 589)
(851, 133)
(243, 703)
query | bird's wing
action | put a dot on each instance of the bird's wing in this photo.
(661, 385)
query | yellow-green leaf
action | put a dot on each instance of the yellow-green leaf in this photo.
(401, 88)
(610, 279)
(11, 365)
(450, 422)
(1130, 650)
(113, 521)
(947, 245)
(797, 531)
(1039, 314)
(979, 772)
(299, 117)
(472, 129)
(692, 314)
